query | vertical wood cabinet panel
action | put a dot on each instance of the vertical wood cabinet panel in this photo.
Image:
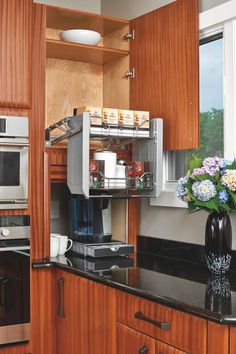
(232, 340)
(15, 53)
(130, 341)
(218, 338)
(86, 320)
(164, 55)
(43, 312)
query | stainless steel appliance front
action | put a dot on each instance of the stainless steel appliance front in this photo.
(14, 296)
(14, 151)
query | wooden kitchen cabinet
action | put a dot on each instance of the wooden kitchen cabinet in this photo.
(130, 341)
(164, 55)
(86, 316)
(181, 330)
(15, 54)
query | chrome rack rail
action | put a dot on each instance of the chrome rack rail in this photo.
(64, 126)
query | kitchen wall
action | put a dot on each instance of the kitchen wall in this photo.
(83, 5)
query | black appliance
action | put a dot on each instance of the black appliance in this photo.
(14, 293)
(14, 278)
(90, 224)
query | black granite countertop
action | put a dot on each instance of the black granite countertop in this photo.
(163, 276)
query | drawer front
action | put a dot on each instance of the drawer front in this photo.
(162, 348)
(130, 341)
(177, 328)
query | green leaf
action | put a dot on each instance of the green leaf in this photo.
(217, 176)
(225, 207)
(202, 177)
(233, 196)
(231, 167)
(195, 162)
(211, 204)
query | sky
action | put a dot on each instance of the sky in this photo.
(211, 75)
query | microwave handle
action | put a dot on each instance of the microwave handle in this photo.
(13, 144)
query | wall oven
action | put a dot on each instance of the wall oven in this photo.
(14, 155)
(14, 279)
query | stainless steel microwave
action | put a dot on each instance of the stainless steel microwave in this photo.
(14, 156)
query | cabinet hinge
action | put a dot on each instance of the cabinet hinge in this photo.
(129, 35)
(129, 74)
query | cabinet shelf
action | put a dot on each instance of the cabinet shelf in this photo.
(83, 53)
(61, 18)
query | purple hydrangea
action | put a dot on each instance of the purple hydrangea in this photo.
(181, 190)
(198, 171)
(204, 190)
(211, 165)
(223, 196)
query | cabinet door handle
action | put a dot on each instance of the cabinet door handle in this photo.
(60, 287)
(143, 350)
(162, 325)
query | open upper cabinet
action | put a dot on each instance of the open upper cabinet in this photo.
(161, 57)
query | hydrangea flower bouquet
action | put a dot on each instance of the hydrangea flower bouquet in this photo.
(210, 184)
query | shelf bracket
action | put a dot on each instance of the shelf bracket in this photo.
(130, 74)
(128, 36)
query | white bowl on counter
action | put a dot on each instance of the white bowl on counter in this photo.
(81, 36)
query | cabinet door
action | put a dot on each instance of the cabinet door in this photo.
(130, 341)
(15, 54)
(86, 316)
(162, 348)
(72, 316)
(164, 55)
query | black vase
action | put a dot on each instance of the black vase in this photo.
(218, 242)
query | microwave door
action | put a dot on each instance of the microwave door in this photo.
(13, 173)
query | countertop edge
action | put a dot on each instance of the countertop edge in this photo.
(207, 315)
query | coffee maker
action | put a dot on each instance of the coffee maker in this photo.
(90, 228)
(90, 219)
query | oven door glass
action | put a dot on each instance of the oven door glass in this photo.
(14, 296)
(13, 172)
(9, 168)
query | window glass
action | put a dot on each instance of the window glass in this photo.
(211, 109)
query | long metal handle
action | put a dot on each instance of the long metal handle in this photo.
(143, 350)
(162, 325)
(14, 144)
(3, 283)
(60, 287)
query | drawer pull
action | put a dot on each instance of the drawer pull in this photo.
(161, 325)
(60, 286)
(143, 350)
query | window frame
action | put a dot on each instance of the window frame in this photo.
(219, 19)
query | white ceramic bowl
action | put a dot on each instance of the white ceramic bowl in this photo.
(81, 36)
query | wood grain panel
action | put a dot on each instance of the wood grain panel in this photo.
(187, 333)
(162, 348)
(165, 57)
(115, 86)
(89, 317)
(43, 311)
(115, 39)
(130, 341)
(81, 52)
(68, 19)
(16, 349)
(133, 221)
(15, 54)
(78, 84)
(218, 338)
(37, 135)
(232, 340)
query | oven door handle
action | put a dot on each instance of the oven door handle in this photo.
(14, 144)
(4, 280)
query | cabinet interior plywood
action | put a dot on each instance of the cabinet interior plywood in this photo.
(71, 84)
(115, 39)
(116, 87)
(119, 222)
